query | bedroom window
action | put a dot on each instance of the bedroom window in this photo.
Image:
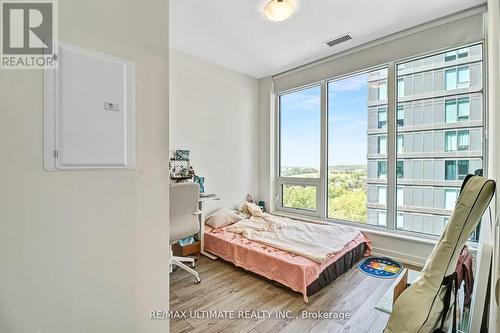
(299, 197)
(387, 147)
(451, 126)
(352, 101)
(300, 133)
(300, 150)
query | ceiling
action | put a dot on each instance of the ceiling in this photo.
(236, 35)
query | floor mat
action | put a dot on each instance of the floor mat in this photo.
(384, 268)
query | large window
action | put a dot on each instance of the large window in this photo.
(352, 102)
(300, 114)
(300, 149)
(299, 197)
(350, 152)
(441, 138)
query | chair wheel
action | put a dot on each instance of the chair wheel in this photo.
(193, 265)
(197, 280)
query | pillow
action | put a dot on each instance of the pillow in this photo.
(221, 218)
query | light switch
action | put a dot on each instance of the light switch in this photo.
(111, 106)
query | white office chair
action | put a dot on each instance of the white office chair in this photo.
(183, 221)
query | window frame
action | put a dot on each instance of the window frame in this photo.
(462, 100)
(458, 84)
(298, 181)
(456, 101)
(460, 135)
(381, 110)
(448, 143)
(449, 190)
(382, 138)
(382, 176)
(303, 210)
(457, 163)
(391, 211)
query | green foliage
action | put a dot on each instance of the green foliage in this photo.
(346, 193)
(350, 206)
(301, 197)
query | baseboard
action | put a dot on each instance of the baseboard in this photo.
(401, 257)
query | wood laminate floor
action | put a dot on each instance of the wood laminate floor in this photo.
(225, 287)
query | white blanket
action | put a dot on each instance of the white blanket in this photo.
(311, 240)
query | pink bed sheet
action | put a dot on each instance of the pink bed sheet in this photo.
(289, 269)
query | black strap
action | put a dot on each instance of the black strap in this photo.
(450, 283)
(466, 179)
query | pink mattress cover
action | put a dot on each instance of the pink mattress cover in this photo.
(292, 270)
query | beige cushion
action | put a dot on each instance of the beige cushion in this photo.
(221, 218)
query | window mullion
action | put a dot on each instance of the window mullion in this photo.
(323, 189)
(391, 147)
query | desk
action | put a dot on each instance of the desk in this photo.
(201, 218)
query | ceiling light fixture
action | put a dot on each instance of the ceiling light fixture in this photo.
(278, 10)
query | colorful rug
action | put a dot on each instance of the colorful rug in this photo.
(383, 268)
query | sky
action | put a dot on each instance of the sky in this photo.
(347, 123)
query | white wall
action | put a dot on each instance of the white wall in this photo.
(87, 251)
(214, 114)
(266, 142)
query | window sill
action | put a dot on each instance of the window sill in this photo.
(375, 231)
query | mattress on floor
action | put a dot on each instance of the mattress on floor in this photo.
(294, 271)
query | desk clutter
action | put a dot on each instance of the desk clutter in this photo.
(181, 170)
(189, 246)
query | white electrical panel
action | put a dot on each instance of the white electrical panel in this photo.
(89, 111)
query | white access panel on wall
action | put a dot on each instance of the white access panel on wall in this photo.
(89, 116)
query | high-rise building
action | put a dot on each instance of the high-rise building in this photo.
(439, 139)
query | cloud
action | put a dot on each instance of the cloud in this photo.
(349, 84)
(303, 100)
